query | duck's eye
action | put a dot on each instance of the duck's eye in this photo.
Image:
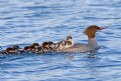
(97, 28)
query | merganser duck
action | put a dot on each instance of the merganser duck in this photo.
(36, 48)
(65, 43)
(45, 46)
(48, 46)
(33, 47)
(16, 49)
(9, 50)
(27, 49)
(69, 42)
(51, 45)
(36, 45)
(90, 46)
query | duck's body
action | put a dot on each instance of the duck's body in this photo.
(11, 50)
(92, 44)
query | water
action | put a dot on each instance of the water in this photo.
(24, 22)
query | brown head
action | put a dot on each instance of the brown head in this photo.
(35, 45)
(27, 48)
(68, 38)
(9, 50)
(91, 30)
(45, 45)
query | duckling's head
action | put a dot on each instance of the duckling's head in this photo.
(45, 45)
(36, 45)
(69, 38)
(27, 48)
(9, 50)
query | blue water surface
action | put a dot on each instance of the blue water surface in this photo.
(26, 21)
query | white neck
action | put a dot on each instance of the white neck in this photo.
(71, 41)
(92, 42)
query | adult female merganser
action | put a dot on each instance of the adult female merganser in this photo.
(65, 43)
(92, 43)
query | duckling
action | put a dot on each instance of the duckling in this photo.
(16, 49)
(36, 45)
(9, 50)
(38, 50)
(27, 49)
(45, 46)
(65, 43)
(51, 46)
(69, 42)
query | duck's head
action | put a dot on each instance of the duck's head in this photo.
(91, 30)
(9, 50)
(27, 48)
(45, 45)
(69, 38)
(36, 45)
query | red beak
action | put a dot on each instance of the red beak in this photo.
(101, 28)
